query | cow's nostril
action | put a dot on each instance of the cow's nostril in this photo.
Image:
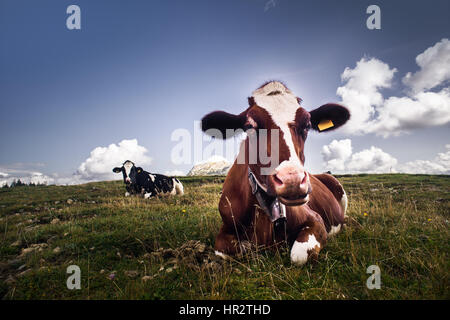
(304, 179)
(277, 179)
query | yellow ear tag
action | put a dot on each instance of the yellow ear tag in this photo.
(139, 171)
(325, 124)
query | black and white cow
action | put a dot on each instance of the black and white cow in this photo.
(138, 181)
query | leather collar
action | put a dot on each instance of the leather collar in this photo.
(271, 206)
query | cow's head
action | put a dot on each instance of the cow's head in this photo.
(129, 171)
(275, 107)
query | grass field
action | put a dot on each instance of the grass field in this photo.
(131, 248)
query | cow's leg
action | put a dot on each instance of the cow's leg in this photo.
(129, 191)
(177, 187)
(225, 243)
(344, 203)
(309, 241)
(229, 243)
(333, 212)
(147, 195)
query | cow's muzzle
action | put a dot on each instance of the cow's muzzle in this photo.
(291, 185)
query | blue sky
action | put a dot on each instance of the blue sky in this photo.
(141, 69)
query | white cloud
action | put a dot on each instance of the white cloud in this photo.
(23, 175)
(361, 95)
(338, 158)
(102, 160)
(371, 113)
(336, 153)
(439, 165)
(174, 173)
(425, 109)
(434, 66)
(373, 160)
(98, 166)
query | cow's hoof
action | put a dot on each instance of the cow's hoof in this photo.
(302, 250)
(222, 255)
(127, 194)
(334, 230)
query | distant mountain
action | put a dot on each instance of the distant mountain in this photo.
(214, 166)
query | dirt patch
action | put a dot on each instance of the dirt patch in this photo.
(192, 254)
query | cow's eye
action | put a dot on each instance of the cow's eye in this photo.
(303, 130)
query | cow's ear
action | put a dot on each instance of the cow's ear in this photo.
(139, 169)
(117, 169)
(329, 117)
(221, 121)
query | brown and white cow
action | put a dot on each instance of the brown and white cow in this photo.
(309, 207)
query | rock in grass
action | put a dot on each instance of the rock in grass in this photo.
(55, 221)
(21, 267)
(146, 278)
(69, 201)
(17, 243)
(26, 251)
(10, 280)
(132, 274)
(51, 239)
(57, 250)
(44, 219)
(24, 273)
(39, 245)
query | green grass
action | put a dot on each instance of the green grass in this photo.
(398, 222)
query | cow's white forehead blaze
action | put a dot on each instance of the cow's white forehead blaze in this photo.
(282, 106)
(128, 165)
